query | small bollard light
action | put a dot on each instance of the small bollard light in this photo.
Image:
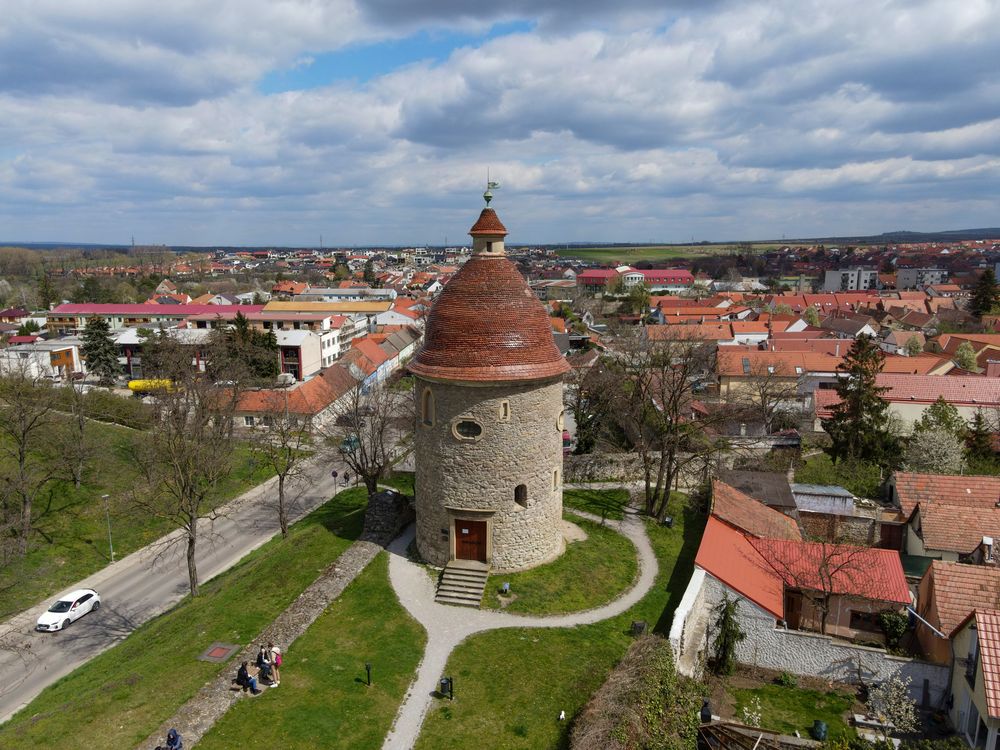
(368, 670)
(706, 712)
(505, 588)
(668, 522)
(448, 687)
(638, 627)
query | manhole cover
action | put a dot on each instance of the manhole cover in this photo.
(218, 652)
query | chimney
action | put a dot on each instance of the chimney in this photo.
(837, 350)
(987, 549)
(992, 368)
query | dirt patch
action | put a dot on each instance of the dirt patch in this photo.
(572, 533)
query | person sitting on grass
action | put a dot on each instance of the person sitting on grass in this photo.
(245, 681)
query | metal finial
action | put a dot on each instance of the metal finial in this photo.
(490, 187)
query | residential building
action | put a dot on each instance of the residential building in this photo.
(948, 593)
(918, 278)
(850, 279)
(975, 679)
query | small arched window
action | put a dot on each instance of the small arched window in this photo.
(505, 411)
(521, 495)
(427, 408)
(555, 479)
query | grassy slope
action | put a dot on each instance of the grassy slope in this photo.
(510, 685)
(119, 697)
(72, 541)
(322, 693)
(607, 503)
(588, 574)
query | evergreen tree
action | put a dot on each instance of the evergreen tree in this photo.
(941, 415)
(979, 440)
(46, 292)
(638, 300)
(256, 351)
(370, 272)
(100, 351)
(27, 328)
(986, 295)
(728, 635)
(859, 427)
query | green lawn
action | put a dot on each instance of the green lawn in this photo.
(510, 685)
(121, 696)
(590, 573)
(323, 694)
(605, 503)
(72, 538)
(787, 709)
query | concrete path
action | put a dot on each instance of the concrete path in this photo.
(142, 585)
(448, 626)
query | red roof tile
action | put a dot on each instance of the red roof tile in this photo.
(956, 590)
(487, 325)
(956, 512)
(488, 223)
(727, 554)
(744, 512)
(988, 626)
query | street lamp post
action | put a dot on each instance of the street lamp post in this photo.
(334, 475)
(107, 515)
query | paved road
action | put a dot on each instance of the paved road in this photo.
(138, 587)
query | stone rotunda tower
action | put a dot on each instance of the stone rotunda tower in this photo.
(489, 417)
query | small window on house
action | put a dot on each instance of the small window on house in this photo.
(427, 408)
(248, 421)
(561, 421)
(770, 369)
(798, 370)
(867, 621)
(746, 366)
(521, 495)
(505, 411)
(467, 429)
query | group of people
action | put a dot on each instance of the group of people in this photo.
(269, 666)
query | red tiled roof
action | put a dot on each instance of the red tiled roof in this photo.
(487, 325)
(957, 589)
(309, 398)
(488, 223)
(727, 554)
(370, 348)
(956, 511)
(853, 571)
(744, 512)
(988, 627)
(140, 310)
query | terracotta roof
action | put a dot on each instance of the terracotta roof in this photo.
(770, 487)
(744, 512)
(988, 627)
(956, 512)
(956, 590)
(488, 223)
(487, 325)
(691, 332)
(308, 398)
(140, 310)
(854, 571)
(727, 554)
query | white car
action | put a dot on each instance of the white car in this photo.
(68, 608)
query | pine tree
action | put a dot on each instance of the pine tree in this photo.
(941, 415)
(986, 295)
(100, 351)
(728, 635)
(979, 440)
(859, 427)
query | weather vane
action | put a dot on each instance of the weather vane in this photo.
(490, 187)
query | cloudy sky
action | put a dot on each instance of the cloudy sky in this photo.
(374, 121)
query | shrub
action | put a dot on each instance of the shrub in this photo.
(787, 679)
(894, 625)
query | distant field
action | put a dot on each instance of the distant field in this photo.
(649, 252)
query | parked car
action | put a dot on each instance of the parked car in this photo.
(69, 608)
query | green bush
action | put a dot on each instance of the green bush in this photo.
(951, 743)
(894, 625)
(787, 679)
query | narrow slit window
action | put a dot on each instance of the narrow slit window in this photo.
(427, 408)
(505, 411)
(521, 495)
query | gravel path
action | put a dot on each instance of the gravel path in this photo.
(448, 626)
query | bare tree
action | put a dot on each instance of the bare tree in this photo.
(26, 416)
(646, 393)
(370, 426)
(182, 459)
(818, 571)
(281, 441)
(71, 440)
(769, 393)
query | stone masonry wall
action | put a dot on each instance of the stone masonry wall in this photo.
(799, 652)
(480, 475)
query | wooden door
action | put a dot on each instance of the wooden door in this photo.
(793, 609)
(470, 540)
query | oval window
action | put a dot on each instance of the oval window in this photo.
(468, 429)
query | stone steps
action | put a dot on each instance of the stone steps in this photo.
(462, 583)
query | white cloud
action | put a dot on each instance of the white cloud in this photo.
(732, 120)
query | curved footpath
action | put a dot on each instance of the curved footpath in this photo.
(448, 626)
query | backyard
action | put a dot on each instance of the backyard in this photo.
(72, 525)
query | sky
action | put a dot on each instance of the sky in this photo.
(277, 122)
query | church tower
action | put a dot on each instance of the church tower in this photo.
(489, 417)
